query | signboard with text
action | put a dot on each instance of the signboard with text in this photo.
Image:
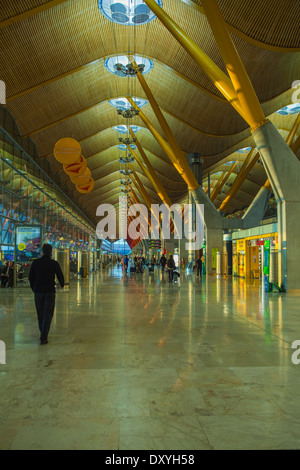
(28, 242)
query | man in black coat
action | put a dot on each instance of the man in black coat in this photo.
(171, 266)
(42, 282)
(199, 266)
(163, 262)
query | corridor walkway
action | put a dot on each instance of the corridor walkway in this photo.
(135, 362)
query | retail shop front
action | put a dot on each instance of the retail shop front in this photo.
(248, 252)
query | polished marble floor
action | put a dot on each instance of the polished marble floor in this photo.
(137, 363)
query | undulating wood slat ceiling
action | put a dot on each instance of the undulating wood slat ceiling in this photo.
(53, 65)
(13, 8)
(275, 23)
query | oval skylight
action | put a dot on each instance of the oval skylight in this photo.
(121, 66)
(290, 109)
(123, 129)
(245, 149)
(127, 12)
(123, 103)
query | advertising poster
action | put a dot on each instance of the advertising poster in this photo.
(28, 242)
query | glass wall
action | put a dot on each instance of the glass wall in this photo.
(28, 196)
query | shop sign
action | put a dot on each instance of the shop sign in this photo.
(241, 245)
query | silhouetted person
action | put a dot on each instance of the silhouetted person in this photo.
(152, 263)
(42, 282)
(163, 262)
(199, 266)
(171, 267)
(11, 274)
(125, 263)
(4, 274)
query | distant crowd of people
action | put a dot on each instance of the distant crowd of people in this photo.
(139, 264)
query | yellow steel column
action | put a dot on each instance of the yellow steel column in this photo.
(163, 123)
(139, 186)
(247, 97)
(296, 145)
(293, 131)
(217, 183)
(153, 179)
(135, 199)
(158, 185)
(214, 73)
(242, 175)
(180, 164)
(222, 182)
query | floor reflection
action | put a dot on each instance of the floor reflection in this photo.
(137, 362)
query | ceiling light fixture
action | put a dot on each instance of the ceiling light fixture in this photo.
(128, 113)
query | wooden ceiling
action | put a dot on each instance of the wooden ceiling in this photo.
(52, 58)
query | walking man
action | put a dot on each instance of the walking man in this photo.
(42, 282)
(163, 262)
(199, 266)
(126, 262)
(171, 266)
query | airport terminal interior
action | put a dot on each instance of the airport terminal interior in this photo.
(141, 131)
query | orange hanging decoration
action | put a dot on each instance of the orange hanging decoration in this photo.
(86, 188)
(77, 168)
(67, 150)
(84, 178)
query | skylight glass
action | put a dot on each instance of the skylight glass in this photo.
(123, 103)
(127, 12)
(290, 109)
(245, 149)
(123, 129)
